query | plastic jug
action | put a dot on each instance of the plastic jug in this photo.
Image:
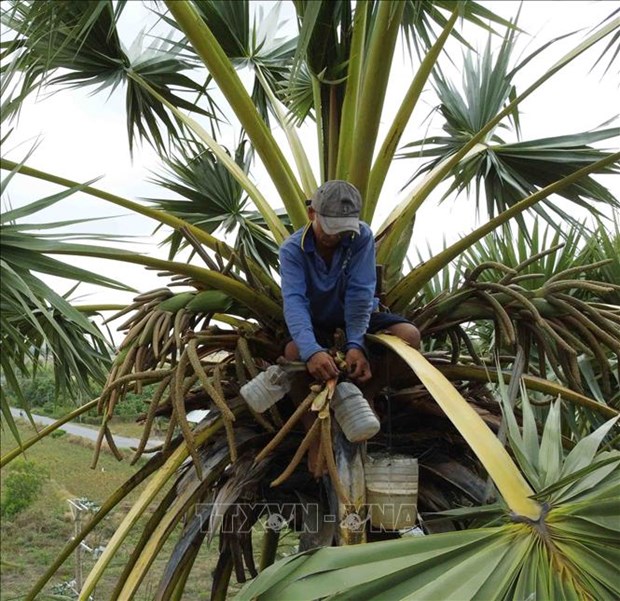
(353, 413)
(266, 389)
(392, 490)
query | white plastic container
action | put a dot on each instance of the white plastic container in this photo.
(352, 411)
(266, 389)
(392, 491)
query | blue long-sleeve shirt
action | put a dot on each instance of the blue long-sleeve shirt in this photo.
(317, 296)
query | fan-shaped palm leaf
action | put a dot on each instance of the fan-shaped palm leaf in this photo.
(81, 40)
(420, 16)
(213, 200)
(508, 172)
(36, 321)
(213, 56)
(399, 221)
(252, 42)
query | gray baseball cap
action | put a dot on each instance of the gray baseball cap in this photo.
(338, 205)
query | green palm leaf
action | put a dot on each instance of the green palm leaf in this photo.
(613, 46)
(255, 43)
(504, 172)
(213, 56)
(604, 245)
(420, 17)
(77, 44)
(37, 322)
(214, 201)
(399, 220)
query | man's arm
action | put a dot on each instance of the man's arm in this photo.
(360, 290)
(359, 296)
(296, 303)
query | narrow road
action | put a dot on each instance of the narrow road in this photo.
(123, 442)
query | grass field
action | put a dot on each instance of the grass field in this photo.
(31, 539)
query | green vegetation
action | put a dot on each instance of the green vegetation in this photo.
(30, 539)
(41, 396)
(22, 485)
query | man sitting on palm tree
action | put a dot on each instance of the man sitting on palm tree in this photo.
(328, 282)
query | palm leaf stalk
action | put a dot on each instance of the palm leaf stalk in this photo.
(511, 485)
(301, 158)
(380, 48)
(387, 151)
(350, 104)
(534, 383)
(235, 288)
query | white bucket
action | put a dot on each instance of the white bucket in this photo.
(266, 389)
(392, 490)
(353, 413)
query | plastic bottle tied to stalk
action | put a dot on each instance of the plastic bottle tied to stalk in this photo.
(352, 411)
(266, 389)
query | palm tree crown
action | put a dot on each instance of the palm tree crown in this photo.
(516, 486)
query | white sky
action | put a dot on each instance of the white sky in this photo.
(82, 137)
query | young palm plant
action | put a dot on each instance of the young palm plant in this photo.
(476, 303)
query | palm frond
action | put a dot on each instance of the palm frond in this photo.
(36, 317)
(613, 46)
(77, 44)
(420, 17)
(252, 41)
(37, 323)
(507, 172)
(392, 228)
(212, 200)
(214, 58)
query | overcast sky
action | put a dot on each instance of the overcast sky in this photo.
(83, 137)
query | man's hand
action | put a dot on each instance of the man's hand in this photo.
(322, 366)
(359, 368)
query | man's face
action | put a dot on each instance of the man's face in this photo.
(323, 240)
